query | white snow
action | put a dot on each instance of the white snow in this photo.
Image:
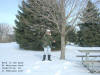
(10, 52)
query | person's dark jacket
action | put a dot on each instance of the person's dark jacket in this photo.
(47, 40)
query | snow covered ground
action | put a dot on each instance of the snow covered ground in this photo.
(10, 52)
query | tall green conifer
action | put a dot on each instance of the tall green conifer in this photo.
(89, 34)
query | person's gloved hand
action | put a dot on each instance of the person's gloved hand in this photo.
(54, 43)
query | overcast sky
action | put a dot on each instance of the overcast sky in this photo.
(8, 10)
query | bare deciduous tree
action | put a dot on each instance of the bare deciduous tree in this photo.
(70, 10)
(4, 30)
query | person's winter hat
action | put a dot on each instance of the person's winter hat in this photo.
(48, 30)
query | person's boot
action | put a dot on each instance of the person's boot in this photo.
(44, 57)
(49, 57)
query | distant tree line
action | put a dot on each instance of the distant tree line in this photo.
(6, 34)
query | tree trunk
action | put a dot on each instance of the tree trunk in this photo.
(63, 31)
(63, 43)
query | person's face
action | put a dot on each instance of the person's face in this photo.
(49, 33)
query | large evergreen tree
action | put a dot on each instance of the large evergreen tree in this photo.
(30, 26)
(89, 34)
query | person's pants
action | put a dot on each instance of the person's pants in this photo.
(47, 50)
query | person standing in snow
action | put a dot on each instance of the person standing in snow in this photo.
(47, 44)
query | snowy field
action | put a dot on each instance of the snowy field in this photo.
(10, 52)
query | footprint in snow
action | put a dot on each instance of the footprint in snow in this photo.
(58, 72)
(36, 67)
